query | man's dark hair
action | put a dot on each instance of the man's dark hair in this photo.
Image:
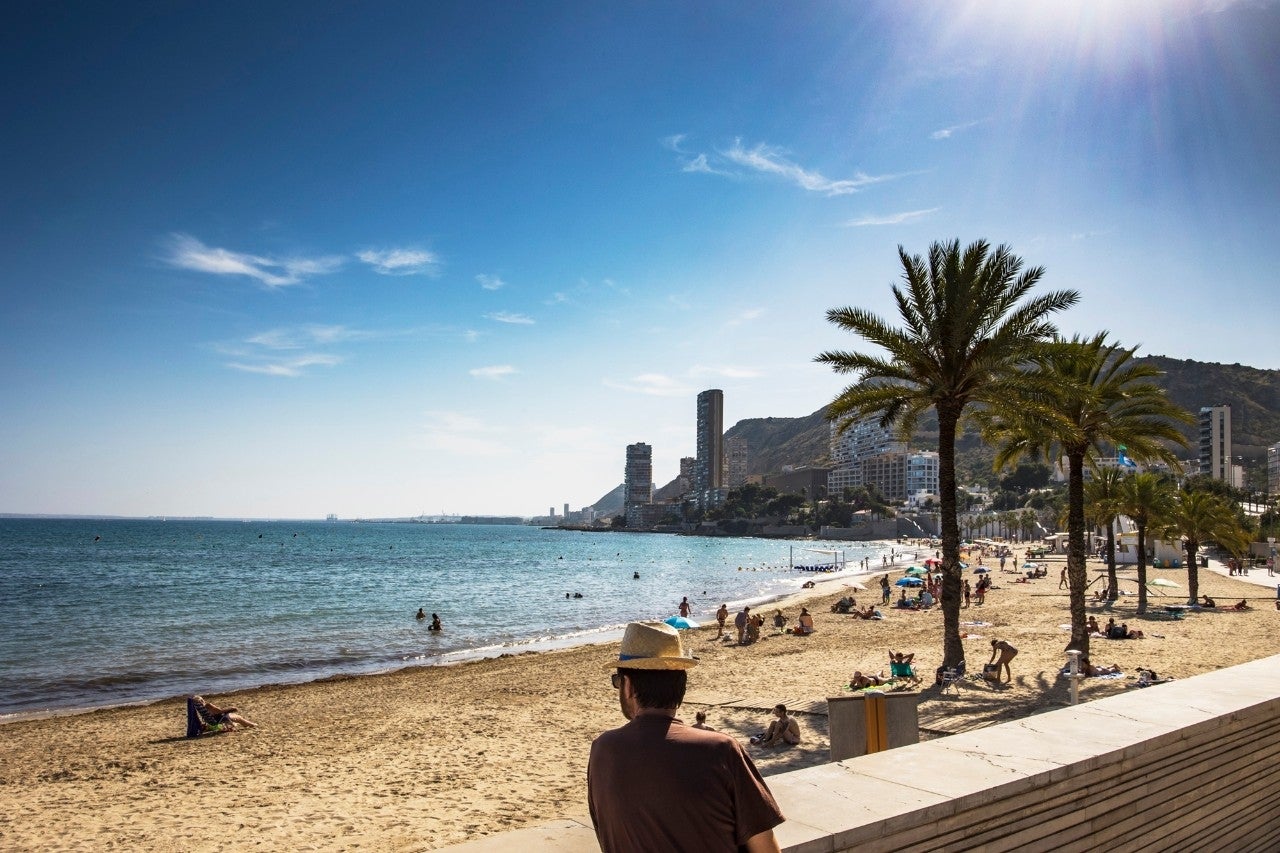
(659, 689)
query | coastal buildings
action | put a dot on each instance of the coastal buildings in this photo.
(735, 461)
(867, 454)
(708, 471)
(638, 483)
(1215, 442)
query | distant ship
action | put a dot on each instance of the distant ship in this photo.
(331, 517)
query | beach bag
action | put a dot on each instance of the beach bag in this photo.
(991, 671)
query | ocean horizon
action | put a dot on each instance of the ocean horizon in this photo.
(98, 612)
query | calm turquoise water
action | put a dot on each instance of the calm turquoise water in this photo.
(96, 613)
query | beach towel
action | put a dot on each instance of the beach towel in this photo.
(887, 687)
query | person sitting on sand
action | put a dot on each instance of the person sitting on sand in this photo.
(204, 717)
(754, 622)
(858, 681)
(1209, 602)
(869, 612)
(844, 605)
(900, 666)
(1241, 606)
(926, 600)
(804, 624)
(782, 730)
(779, 621)
(700, 721)
(1092, 626)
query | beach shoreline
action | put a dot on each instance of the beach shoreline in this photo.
(430, 756)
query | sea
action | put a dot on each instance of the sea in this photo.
(99, 613)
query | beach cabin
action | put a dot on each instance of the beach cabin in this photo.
(1164, 553)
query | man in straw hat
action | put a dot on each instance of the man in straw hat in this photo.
(658, 784)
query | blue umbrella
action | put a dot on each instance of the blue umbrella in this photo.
(680, 622)
(912, 581)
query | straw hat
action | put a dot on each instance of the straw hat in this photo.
(652, 645)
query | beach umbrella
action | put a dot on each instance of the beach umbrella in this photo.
(1162, 582)
(680, 622)
(917, 570)
(910, 581)
(932, 562)
(857, 585)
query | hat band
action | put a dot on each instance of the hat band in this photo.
(651, 657)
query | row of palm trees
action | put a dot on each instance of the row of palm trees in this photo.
(976, 346)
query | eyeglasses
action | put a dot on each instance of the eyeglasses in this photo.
(616, 680)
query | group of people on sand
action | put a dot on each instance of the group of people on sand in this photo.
(747, 625)
(1112, 631)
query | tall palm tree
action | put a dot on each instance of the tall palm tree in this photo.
(1145, 499)
(1085, 394)
(1101, 496)
(967, 325)
(1199, 517)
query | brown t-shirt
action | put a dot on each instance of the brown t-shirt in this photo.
(656, 785)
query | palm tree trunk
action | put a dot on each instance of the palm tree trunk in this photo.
(1193, 571)
(952, 649)
(1142, 569)
(1077, 575)
(1113, 584)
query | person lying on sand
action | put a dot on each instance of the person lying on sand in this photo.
(858, 681)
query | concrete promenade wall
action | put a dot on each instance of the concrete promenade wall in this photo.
(1184, 766)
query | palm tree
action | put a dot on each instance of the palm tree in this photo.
(1084, 394)
(1101, 495)
(1198, 517)
(966, 328)
(1145, 499)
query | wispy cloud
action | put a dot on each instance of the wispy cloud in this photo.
(702, 165)
(186, 252)
(490, 282)
(948, 132)
(471, 336)
(464, 435)
(510, 317)
(653, 384)
(290, 367)
(771, 161)
(674, 142)
(401, 261)
(294, 350)
(745, 316)
(496, 371)
(892, 218)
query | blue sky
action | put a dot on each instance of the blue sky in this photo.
(378, 259)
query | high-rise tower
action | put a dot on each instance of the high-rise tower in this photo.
(708, 472)
(1215, 442)
(638, 480)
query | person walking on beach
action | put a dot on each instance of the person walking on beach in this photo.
(722, 616)
(658, 784)
(685, 609)
(740, 622)
(884, 589)
(968, 590)
(1062, 579)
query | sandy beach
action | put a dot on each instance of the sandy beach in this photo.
(429, 757)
